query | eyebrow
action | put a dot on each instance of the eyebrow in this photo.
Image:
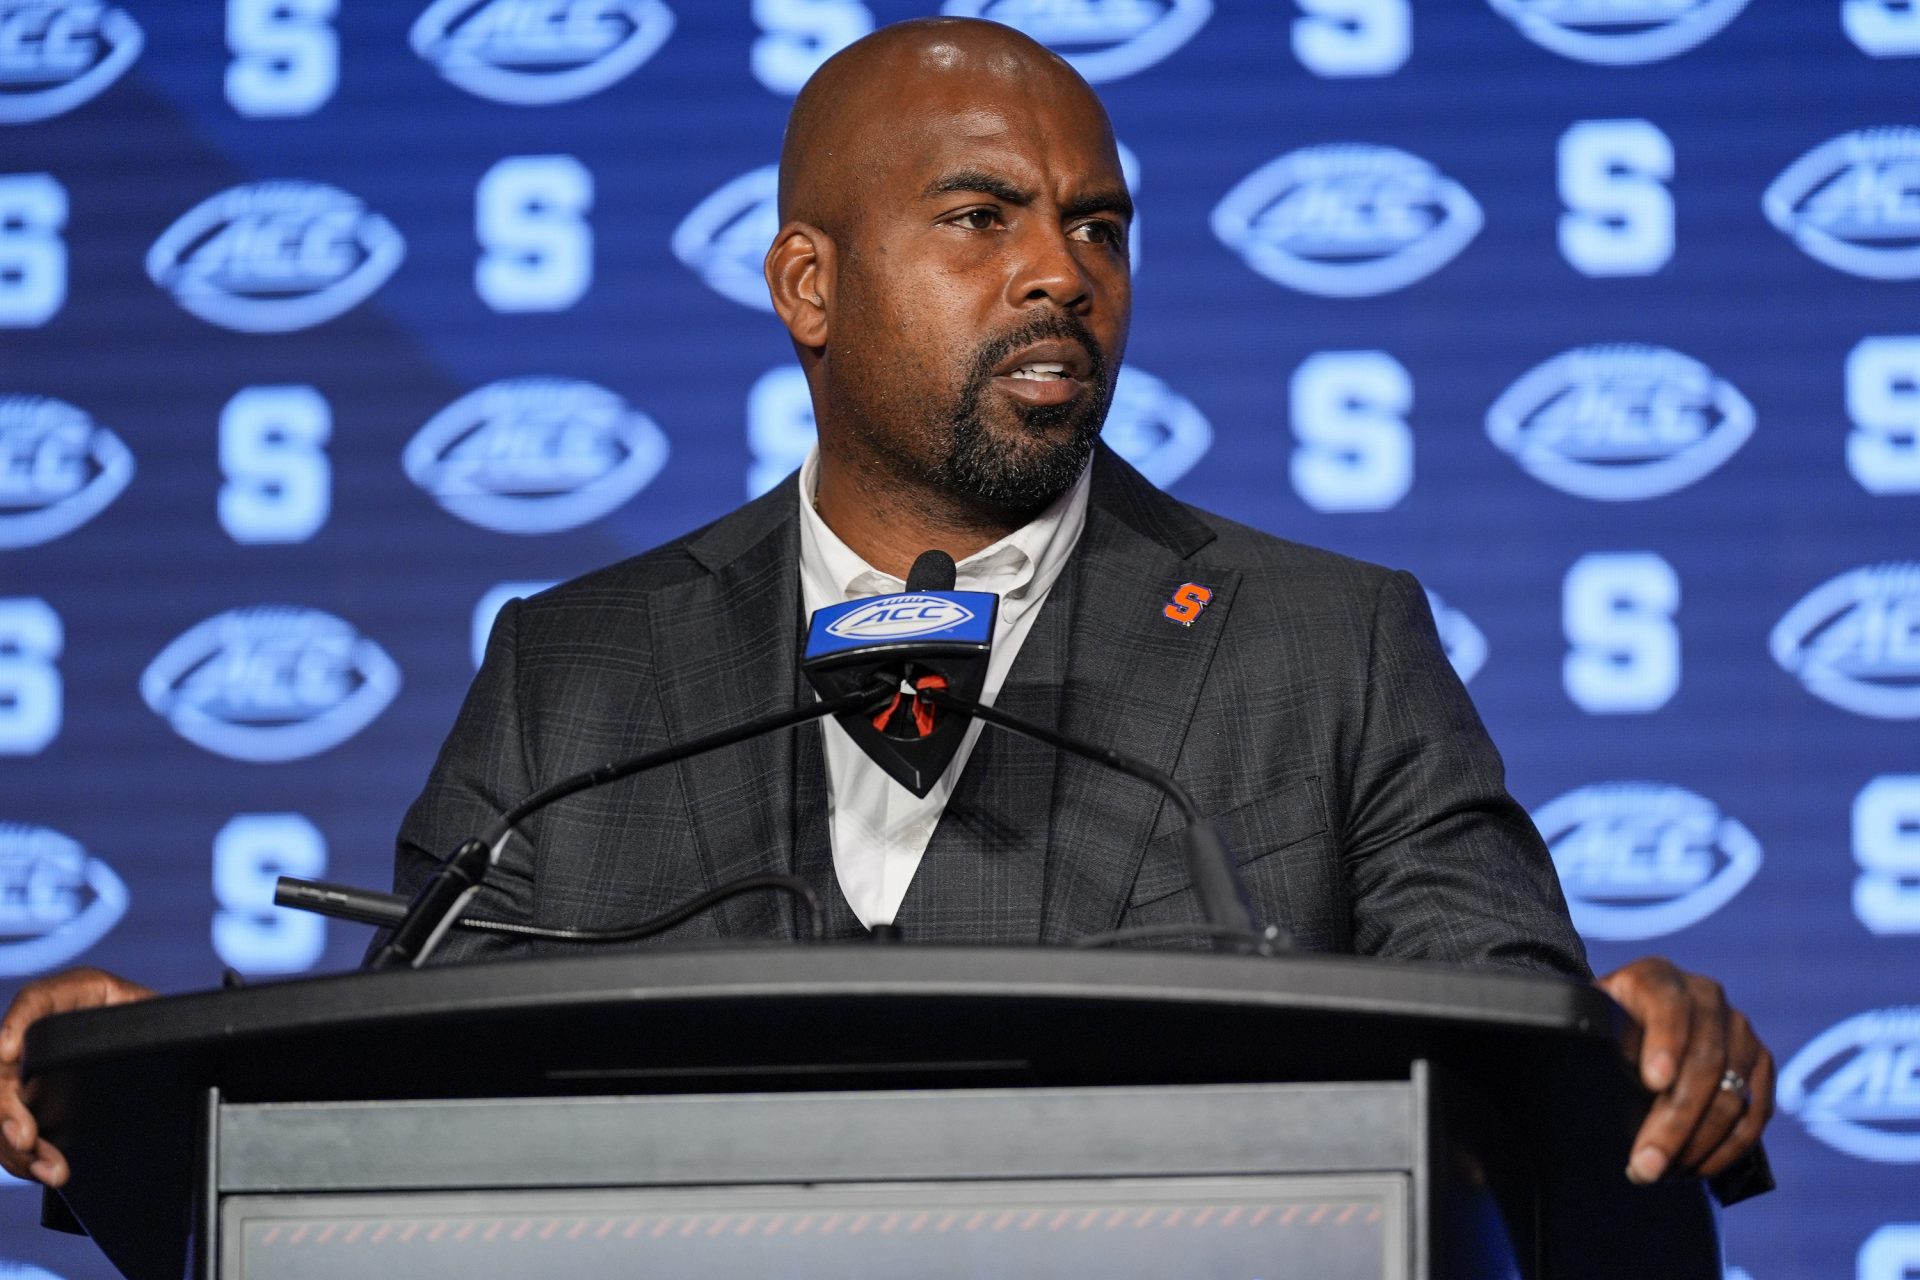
(1115, 201)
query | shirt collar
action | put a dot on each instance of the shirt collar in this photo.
(1020, 568)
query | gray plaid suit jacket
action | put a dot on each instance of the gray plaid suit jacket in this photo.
(1309, 709)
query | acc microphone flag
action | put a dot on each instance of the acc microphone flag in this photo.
(913, 638)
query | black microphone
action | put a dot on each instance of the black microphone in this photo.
(932, 571)
(928, 634)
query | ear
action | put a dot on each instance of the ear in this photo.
(800, 275)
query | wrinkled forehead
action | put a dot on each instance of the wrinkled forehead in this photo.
(1052, 137)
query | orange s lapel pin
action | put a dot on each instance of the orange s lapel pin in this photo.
(1189, 598)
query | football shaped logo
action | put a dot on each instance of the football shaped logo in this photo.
(725, 239)
(57, 54)
(1618, 32)
(1103, 40)
(1852, 1086)
(1347, 220)
(535, 455)
(1643, 859)
(270, 682)
(272, 257)
(1850, 203)
(535, 52)
(58, 469)
(1465, 643)
(1154, 427)
(1620, 423)
(56, 900)
(1855, 641)
(900, 618)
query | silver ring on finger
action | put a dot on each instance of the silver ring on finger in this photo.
(1733, 1082)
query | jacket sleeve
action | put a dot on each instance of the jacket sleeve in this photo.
(481, 771)
(1442, 863)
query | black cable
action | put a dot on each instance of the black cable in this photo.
(859, 700)
(1099, 755)
(679, 915)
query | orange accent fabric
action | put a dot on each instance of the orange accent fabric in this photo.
(922, 709)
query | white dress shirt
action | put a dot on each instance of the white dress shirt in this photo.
(879, 831)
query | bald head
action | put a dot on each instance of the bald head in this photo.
(853, 112)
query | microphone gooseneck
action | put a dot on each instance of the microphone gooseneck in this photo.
(446, 893)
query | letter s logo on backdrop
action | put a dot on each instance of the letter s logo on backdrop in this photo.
(55, 899)
(57, 54)
(1856, 1086)
(1855, 641)
(1643, 859)
(535, 455)
(1620, 423)
(58, 469)
(270, 683)
(1102, 39)
(1850, 203)
(1347, 220)
(1618, 32)
(271, 257)
(534, 52)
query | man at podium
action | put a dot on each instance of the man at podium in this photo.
(952, 267)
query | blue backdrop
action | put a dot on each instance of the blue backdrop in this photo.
(327, 325)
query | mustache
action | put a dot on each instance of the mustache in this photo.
(1054, 324)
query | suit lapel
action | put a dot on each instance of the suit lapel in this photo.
(1133, 679)
(728, 642)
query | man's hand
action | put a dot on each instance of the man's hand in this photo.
(1699, 1054)
(23, 1152)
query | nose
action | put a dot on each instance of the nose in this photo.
(1048, 270)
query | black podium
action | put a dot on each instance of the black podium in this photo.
(865, 1111)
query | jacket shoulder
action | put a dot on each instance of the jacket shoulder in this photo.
(683, 561)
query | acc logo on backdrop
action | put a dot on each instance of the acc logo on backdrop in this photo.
(56, 900)
(1850, 203)
(1618, 32)
(57, 54)
(1853, 1086)
(1855, 641)
(535, 455)
(725, 238)
(1103, 39)
(1155, 428)
(270, 257)
(1619, 423)
(1347, 220)
(270, 682)
(1465, 643)
(1642, 859)
(58, 469)
(532, 52)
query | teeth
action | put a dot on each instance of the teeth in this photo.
(1040, 372)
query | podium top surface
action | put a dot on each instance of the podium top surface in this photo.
(785, 1003)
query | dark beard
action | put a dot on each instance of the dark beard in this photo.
(1023, 478)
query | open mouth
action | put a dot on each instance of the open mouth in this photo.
(1041, 371)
